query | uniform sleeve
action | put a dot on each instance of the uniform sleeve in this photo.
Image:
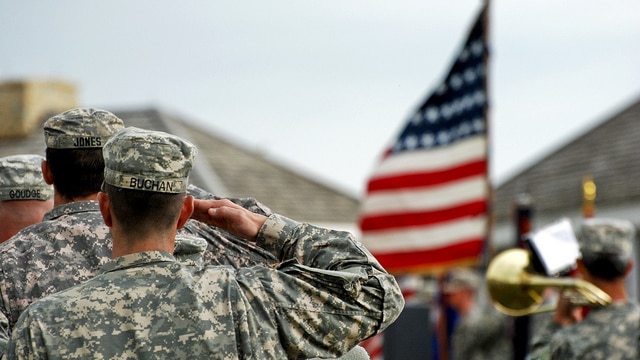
(5, 327)
(479, 336)
(333, 291)
(4, 334)
(541, 343)
(224, 248)
(562, 351)
(26, 340)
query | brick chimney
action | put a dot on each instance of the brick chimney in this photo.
(25, 104)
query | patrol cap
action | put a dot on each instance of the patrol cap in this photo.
(606, 236)
(148, 160)
(81, 128)
(461, 278)
(21, 178)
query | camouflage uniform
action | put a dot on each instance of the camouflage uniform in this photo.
(357, 353)
(606, 333)
(610, 332)
(224, 248)
(326, 294)
(72, 242)
(68, 247)
(482, 332)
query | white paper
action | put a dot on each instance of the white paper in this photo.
(556, 246)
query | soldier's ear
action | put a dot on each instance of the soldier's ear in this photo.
(105, 210)
(186, 211)
(46, 172)
(628, 268)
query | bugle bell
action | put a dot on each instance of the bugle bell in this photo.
(516, 289)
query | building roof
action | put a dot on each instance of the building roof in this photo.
(607, 153)
(227, 169)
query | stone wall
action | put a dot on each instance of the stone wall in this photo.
(24, 105)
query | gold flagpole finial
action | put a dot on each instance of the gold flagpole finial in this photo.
(588, 197)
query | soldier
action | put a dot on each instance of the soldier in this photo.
(609, 332)
(24, 199)
(72, 242)
(325, 296)
(479, 333)
(24, 196)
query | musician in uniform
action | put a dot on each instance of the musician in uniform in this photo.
(598, 333)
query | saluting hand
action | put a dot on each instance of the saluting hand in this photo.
(229, 216)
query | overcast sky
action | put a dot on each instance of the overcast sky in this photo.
(323, 86)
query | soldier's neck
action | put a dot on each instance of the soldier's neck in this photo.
(62, 200)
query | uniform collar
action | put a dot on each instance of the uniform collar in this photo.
(137, 259)
(72, 208)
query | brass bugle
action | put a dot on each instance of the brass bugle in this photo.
(516, 289)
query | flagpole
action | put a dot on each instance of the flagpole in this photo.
(489, 248)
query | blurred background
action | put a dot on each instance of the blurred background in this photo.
(324, 86)
(294, 103)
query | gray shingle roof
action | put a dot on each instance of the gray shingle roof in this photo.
(608, 153)
(227, 169)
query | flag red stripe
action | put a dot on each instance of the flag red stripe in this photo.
(374, 346)
(433, 188)
(422, 218)
(465, 249)
(423, 179)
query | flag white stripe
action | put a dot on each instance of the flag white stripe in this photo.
(431, 198)
(465, 150)
(424, 238)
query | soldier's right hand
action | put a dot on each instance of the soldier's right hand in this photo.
(229, 216)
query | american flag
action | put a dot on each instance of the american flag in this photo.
(425, 207)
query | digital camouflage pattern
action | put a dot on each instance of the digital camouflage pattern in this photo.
(4, 334)
(21, 178)
(72, 243)
(81, 128)
(68, 247)
(357, 353)
(148, 160)
(606, 236)
(327, 294)
(610, 332)
(189, 250)
(224, 248)
(481, 334)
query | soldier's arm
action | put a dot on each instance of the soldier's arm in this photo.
(224, 248)
(26, 341)
(329, 291)
(4, 334)
(541, 344)
(327, 295)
